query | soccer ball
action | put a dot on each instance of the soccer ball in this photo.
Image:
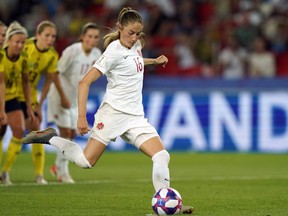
(167, 201)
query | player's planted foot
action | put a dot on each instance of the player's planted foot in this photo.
(41, 136)
(186, 210)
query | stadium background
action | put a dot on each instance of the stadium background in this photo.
(191, 104)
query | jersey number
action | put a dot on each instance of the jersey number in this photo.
(139, 64)
(32, 76)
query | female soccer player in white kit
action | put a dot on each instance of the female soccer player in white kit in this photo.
(121, 111)
(75, 61)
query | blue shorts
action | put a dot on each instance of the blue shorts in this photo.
(12, 105)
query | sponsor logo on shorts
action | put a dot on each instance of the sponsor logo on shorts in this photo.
(100, 126)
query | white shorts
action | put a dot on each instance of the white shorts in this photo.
(66, 118)
(110, 124)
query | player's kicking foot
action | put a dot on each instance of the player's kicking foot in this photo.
(41, 136)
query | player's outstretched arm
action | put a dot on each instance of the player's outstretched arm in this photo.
(161, 60)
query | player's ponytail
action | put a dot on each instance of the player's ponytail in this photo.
(110, 38)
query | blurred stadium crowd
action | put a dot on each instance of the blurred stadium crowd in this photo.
(230, 39)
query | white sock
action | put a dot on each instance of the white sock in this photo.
(70, 151)
(160, 173)
(62, 165)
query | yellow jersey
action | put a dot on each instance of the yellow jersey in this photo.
(13, 72)
(39, 62)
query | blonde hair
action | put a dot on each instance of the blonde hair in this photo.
(126, 16)
(43, 25)
(14, 28)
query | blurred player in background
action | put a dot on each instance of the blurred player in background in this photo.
(13, 67)
(3, 29)
(75, 61)
(121, 112)
(43, 59)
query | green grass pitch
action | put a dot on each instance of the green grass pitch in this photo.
(224, 184)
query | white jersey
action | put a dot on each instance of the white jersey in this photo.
(124, 69)
(72, 66)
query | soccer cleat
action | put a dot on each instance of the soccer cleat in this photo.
(186, 210)
(61, 178)
(40, 180)
(41, 136)
(6, 178)
(53, 170)
(66, 179)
